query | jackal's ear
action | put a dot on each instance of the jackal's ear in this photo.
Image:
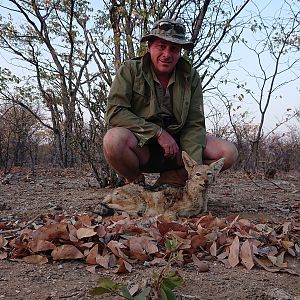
(189, 163)
(217, 166)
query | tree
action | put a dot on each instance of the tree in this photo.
(48, 43)
(276, 64)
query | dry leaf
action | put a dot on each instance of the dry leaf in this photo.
(165, 227)
(278, 260)
(116, 247)
(51, 232)
(198, 241)
(3, 255)
(233, 257)
(72, 233)
(91, 258)
(246, 255)
(287, 244)
(83, 219)
(101, 231)
(85, 232)
(124, 266)
(66, 252)
(35, 259)
(3, 241)
(40, 245)
(158, 261)
(103, 261)
(202, 265)
(213, 249)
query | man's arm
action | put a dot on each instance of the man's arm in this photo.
(119, 112)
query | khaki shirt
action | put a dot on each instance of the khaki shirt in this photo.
(132, 103)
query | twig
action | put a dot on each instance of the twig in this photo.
(20, 228)
(182, 296)
(276, 185)
(69, 296)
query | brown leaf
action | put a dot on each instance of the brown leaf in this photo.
(213, 249)
(264, 266)
(84, 219)
(246, 255)
(72, 233)
(148, 244)
(234, 250)
(40, 245)
(165, 227)
(202, 265)
(135, 244)
(66, 252)
(85, 232)
(51, 232)
(286, 228)
(116, 247)
(87, 245)
(103, 261)
(124, 266)
(3, 255)
(287, 244)
(275, 269)
(91, 258)
(158, 261)
(278, 260)
(198, 241)
(101, 230)
(35, 259)
(3, 241)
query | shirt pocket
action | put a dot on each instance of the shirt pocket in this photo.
(140, 103)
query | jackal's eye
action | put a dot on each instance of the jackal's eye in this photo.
(198, 174)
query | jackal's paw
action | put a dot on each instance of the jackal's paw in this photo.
(188, 213)
(103, 210)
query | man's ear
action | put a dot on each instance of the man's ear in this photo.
(189, 163)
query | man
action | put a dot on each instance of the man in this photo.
(155, 108)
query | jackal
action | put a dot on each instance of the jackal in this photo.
(165, 202)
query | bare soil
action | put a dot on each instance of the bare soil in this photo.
(23, 198)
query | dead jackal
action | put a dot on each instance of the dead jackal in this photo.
(168, 202)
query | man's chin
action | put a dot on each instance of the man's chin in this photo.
(165, 70)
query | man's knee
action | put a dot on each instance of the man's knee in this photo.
(217, 148)
(116, 139)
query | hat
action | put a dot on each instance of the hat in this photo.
(170, 30)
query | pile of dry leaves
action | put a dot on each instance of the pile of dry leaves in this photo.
(120, 242)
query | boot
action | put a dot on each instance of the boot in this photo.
(140, 180)
(176, 178)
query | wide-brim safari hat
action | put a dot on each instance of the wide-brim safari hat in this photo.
(170, 30)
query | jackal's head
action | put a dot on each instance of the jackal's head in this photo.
(201, 175)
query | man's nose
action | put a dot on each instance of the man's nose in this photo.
(167, 52)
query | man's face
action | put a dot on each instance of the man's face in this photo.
(164, 56)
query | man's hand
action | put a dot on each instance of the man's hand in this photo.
(167, 142)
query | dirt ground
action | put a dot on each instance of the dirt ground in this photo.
(23, 198)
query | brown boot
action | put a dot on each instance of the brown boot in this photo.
(140, 180)
(176, 178)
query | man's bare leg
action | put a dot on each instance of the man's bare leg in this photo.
(122, 152)
(217, 148)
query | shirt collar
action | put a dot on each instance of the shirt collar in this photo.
(171, 80)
